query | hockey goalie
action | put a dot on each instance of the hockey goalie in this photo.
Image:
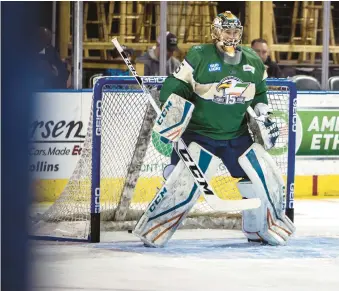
(206, 103)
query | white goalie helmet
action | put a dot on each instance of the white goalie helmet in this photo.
(227, 30)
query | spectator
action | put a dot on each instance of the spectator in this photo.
(53, 71)
(260, 46)
(151, 58)
(115, 55)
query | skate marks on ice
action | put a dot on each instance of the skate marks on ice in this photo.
(317, 236)
(230, 248)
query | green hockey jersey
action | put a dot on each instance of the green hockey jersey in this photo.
(220, 92)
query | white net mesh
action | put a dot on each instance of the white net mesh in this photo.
(132, 162)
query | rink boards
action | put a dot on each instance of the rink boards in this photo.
(59, 127)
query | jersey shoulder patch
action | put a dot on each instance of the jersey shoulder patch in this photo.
(254, 60)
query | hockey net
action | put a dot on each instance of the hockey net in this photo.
(131, 159)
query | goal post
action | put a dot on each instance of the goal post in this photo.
(138, 155)
(292, 131)
(277, 87)
(120, 168)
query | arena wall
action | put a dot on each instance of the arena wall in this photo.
(59, 127)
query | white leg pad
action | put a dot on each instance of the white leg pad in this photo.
(174, 118)
(268, 222)
(174, 200)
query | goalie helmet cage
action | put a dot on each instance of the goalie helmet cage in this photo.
(121, 164)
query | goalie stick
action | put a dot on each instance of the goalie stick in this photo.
(213, 200)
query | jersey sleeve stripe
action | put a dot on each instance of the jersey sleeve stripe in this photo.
(185, 73)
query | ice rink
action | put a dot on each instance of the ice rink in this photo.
(206, 260)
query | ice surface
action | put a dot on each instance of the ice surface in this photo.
(199, 259)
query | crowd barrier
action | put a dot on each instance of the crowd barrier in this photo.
(59, 127)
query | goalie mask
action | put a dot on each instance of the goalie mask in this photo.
(226, 30)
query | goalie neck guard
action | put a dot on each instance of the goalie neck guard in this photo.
(227, 30)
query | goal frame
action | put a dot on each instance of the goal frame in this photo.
(94, 235)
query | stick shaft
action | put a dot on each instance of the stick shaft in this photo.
(180, 147)
(136, 76)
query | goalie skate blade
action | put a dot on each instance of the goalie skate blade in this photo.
(233, 205)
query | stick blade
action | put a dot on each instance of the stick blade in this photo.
(221, 205)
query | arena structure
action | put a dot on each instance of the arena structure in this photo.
(97, 164)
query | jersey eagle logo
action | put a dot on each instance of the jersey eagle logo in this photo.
(232, 90)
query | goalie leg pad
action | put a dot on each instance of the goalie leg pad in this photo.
(268, 222)
(174, 200)
(174, 118)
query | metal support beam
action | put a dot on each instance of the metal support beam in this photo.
(123, 10)
(64, 27)
(267, 23)
(77, 43)
(252, 20)
(54, 12)
(326, 43)
(163, 38)
(186, 46)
